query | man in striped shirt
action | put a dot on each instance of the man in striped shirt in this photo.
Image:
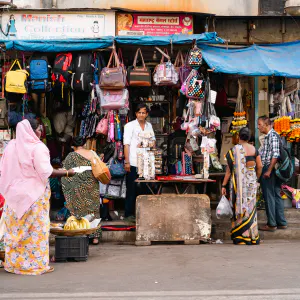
(270, 183)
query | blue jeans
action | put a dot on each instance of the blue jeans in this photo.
(274, 204)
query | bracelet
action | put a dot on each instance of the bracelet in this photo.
(67, 173)
(224, 186)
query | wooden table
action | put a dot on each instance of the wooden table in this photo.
(176, 184)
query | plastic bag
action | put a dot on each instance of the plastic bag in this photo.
(224, 209)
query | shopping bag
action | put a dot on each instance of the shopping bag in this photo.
(224, 209)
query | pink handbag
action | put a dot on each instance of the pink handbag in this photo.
(102, 127)
(114, 99)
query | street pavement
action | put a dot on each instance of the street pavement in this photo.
(220, 271)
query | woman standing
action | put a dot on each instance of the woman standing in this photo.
(244, 168)
(82, 191)
(25, 169)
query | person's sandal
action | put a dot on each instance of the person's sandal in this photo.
(95, 243)
(51, 269)
(282, 227)
(268, 228)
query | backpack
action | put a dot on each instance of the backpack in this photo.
(62, 69)
(39, 73)
(284, 168)
(82, 78)
(99, 64)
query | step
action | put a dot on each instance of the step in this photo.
(221, 228)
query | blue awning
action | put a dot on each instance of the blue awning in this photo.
(175, 39)
(266, 60)
(60, 45)
(101, 43)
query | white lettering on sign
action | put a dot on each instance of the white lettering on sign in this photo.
(157, 20)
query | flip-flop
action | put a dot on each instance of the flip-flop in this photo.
(50, 270)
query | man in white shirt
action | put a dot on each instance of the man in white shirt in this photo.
(131, 143)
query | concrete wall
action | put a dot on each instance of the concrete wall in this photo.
(223, 8)
(268, 30)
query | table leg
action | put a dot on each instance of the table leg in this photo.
(159, 189)
(150, 189)
(186, 189)
(205, 188)
(177, 190)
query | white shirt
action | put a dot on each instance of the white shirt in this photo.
(131, 138)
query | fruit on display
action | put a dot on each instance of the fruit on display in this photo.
(75, 224)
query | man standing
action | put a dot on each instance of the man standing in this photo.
(270, 183)
(131, 142)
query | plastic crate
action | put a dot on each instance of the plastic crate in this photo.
(71, 248)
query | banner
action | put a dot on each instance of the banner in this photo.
(35, 26)
(155, 25)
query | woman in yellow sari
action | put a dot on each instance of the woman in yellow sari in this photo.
(243, 170)
(25, 169)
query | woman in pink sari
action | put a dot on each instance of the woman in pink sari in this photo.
(25, 169)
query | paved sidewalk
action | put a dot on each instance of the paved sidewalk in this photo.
(268, 271)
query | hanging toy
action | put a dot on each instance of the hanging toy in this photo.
(112, 127)
(119, 128)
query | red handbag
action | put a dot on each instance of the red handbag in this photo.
(102, 127)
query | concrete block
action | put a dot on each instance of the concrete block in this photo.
(166, 218)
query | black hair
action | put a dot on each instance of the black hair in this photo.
(140, 106)
(78, 141)
(34, 124)
(245, 134)
(265, 119)
(252, 139)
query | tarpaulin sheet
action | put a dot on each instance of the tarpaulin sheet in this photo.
(175, 39)
(267, 60)
(60, 45)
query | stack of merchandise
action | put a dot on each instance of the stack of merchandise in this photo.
(158, 161)
(146, 156)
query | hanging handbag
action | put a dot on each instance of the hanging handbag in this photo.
(195, 56)
(116, 189)
(139, 76)
(165, 73)
(114, 99)
(184, 71)
(195, 87)
(100, 169)
(102, 127)
(116, 168)
(16, 79)
(113, 76)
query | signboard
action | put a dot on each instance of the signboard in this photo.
(35, 26)
(155, 25)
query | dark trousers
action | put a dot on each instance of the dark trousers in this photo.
(131, 192)
(274, 204)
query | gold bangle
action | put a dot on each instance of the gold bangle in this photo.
(67, 173)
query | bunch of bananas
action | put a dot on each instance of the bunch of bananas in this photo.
(74, 224)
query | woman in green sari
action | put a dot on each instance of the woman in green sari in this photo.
(243, 170)
(82, 191)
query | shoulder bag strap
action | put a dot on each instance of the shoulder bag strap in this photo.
(16, 61)
(115, 56)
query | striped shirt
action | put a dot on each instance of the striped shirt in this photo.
(271, 148)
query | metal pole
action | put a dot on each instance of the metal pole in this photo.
(256, 107)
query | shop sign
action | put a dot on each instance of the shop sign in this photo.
(155, 25)
(35, 26)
